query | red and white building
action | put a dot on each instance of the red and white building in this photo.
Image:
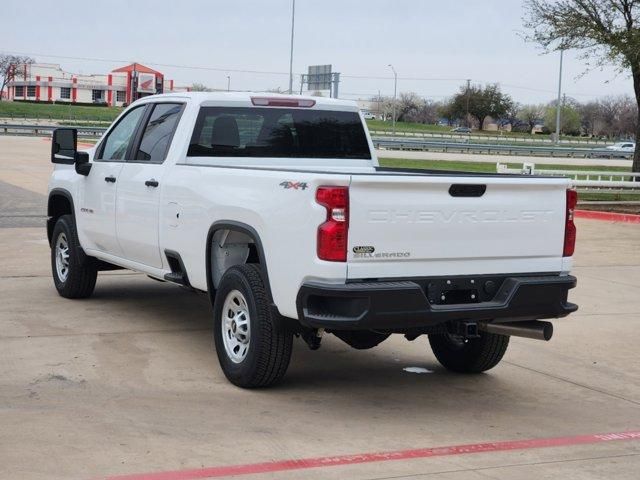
(47, 82)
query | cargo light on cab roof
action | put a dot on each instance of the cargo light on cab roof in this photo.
(282, 102)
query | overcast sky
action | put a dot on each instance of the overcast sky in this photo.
(441, 43)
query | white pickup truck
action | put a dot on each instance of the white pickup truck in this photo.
(277, 208)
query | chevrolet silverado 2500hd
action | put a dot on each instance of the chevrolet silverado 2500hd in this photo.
(277, 208)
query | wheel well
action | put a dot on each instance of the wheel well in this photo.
(229, 247)
(249, 250)
(59, 204)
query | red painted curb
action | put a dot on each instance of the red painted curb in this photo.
(607, 216)
(305, 463)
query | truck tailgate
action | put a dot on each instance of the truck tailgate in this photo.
(441, 225)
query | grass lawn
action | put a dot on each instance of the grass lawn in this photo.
(44, 111)
(483, 166)
(423, 128)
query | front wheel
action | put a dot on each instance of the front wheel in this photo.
(253, 349)
(74, 274)
(471, 355)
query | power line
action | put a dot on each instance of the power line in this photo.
(267, 72)
(157, 64)
(419, 79)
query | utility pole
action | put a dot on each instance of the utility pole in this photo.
(293, 18)
(335, 81)
(559, 105)
(469, 93)
(228, 83)
(395, 94)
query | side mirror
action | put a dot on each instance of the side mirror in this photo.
(64, 145)
(83, 167)
(64, 150)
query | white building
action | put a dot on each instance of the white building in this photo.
(47, 82)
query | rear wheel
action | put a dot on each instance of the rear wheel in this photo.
(471, 355)
(74, 274)
(253, 348)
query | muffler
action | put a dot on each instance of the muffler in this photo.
(533, 329)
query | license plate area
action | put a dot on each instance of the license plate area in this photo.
(462, 290)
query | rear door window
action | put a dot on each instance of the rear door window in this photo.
(278, 132)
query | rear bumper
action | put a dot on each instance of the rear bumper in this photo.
(406, 305)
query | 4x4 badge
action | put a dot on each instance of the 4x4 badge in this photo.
(294, 185)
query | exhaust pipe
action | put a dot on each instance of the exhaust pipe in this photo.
(533, 329)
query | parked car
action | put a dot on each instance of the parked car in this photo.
(461, 130)
(277, 209)
(368, 116)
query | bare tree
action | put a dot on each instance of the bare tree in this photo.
(606, 31)
(608, 108)
(590, 118)
(616, 116)
(200, 87)
(628, 118)
(408, 106)
(377, 101)
(387, 107)
(11, 67)
(428, 112)
(511, 116)
(532, 115)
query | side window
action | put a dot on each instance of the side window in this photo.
(158, 132)
(117, 143)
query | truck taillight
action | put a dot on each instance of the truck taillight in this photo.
(570, 227)
(332, 234)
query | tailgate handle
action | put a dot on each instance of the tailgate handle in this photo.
(467, 190)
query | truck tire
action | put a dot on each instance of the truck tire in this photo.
(473, 355)
(253, 349)
(74, 274)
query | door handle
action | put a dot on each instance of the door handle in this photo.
(152, 183)
(110, 179)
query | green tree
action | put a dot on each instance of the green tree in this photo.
(481, 102)
(447, 111)
(570, 121)
(605, 31)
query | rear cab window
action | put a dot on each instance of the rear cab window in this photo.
(278, 132)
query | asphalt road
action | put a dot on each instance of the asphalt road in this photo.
(127, 382)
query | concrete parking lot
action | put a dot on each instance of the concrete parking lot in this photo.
(127, 382)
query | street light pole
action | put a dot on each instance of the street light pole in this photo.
(395, 93)
(559, 105)
(293, 19)
(228, 83)
(468, 92)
